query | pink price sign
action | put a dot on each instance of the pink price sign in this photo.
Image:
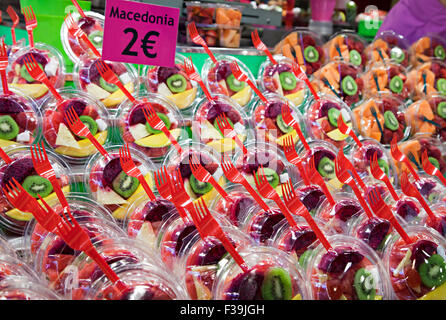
(140, 33)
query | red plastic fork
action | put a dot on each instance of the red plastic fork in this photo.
(300, 74)
(37, 74)
(316, 178)
(3, 66)
(208, 226)
(31, 23)
(77, 32)
(298, 208)
(45, 170)
(130, 168)
(429, 168)
(110, 77)
(193, 75)
(342, 173)
(15, 21)
(197, 39)
(345, 129)
(228, 131)
(290, 121)
(410, 190)
(293, 158)
(81, 130)
(179, 195)
(201, 174)
(79, 9)
(156, 123)
(345, 163)
(401, 157)
(233, 175)
(380, 175)
(241, 76)
(261, 46)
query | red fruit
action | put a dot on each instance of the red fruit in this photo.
(334, 289)
(360, 83)
(308, 41)
(91, 112)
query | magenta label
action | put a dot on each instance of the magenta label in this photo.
(140, 33)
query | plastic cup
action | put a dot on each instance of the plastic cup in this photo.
(410, 265)
(21, 168)
(428, 79)
(351, 47)
(390, 46)
(133, 126)
(173, 83)
(351, 271)
(105, 180)
(266, 265)
(6, 248)
(24, 289)
(51, 62)
(88, 79)
(431, 46)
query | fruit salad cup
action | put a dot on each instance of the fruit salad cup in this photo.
(205, 128)
(173, 83)
(220, 80)
(428, 79)
(23, 289)
(341, 79)
(280, 79)
(261, 225)
(428, 47)
(209, 159)
(202, 260)
(272, 275)
(351, 271)
(92, 25)
(268, 121)
(21, 168)
(387, 77)
(409, 210)
(49, 60)
(322, 120)
(348, 47)
(305, 46)
(111, 186)
(87, 78)
(20, 120)
(430, 188)
(389, 45)
(428, 117)
(136, 131)
(56, 131)
(418, 269)
(382, 117)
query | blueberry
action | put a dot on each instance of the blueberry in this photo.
(407, 209)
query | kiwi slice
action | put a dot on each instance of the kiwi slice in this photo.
(433, 272)
(36, 185)
(90, 124)
(439, 52)
(441, 85)
(110, 87)
(304, 257)
(311, 54)
(277, 285)
(397, 54)
(25, 74)
(384, 166)
(271, 176)
(333, 115)
(96, 38)
(349, 86)
(199, 187)
(234, 84)
(164, 118)
(364, 284)
(396, 84)
(435, 162)
(282, 125)
(441, 109)
(218, 129)
(125, 185)
(326, 168)
(355, 57)
(288, 81)
(390, 121)
(9, 129)
(177, 83)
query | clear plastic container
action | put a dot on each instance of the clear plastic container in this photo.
(10, 266)
(428, 47)
(173, 83)
(51, 62)
(351, 271)
(6, 248)
(389, 45)
(417, 269)
(108, 184)
(92, 25)
(228, 15)
(208, 32)
(270, 268)
(21, 168)
(205, 127)
(57, 133)
(23, 289)
(200, 13)
(428, 79)
(220, 80)
(88, 79)
(347, 46)
(391, 114)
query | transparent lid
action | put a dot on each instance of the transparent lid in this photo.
(347, 46)
(389, 45)
(428, 47)
(428, 79)
(23, 289)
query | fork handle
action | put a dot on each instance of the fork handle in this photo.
(97, 145)
(411, 169)
(5, 82)
(326, 192)
(205, 90)
(255, 195)
(14, 40)
(397, 226)
(286, 212)
(146, 187)
(232, 251)
(172, 139)
(217, 187)
(240, 144)
(441, 177)
(313, 225)
(358, 178)
(361, 200)
(355, 138)
(391, 189)
(31, 38)
(302, 75)
(53, 90)
(256, 90)
(90, 45)
(301, 136)
(60, 195)
(426, 207)
(302, 172)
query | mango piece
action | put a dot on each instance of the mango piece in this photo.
(86, 147)
(34, 90)
(118, 96)
(158, 140)
(297, 98)
(437, 294)
(243, 96)
(7, 143)
(337, 135)
(225, 144)
(292, 134)
(299, 55)
(184, 99)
